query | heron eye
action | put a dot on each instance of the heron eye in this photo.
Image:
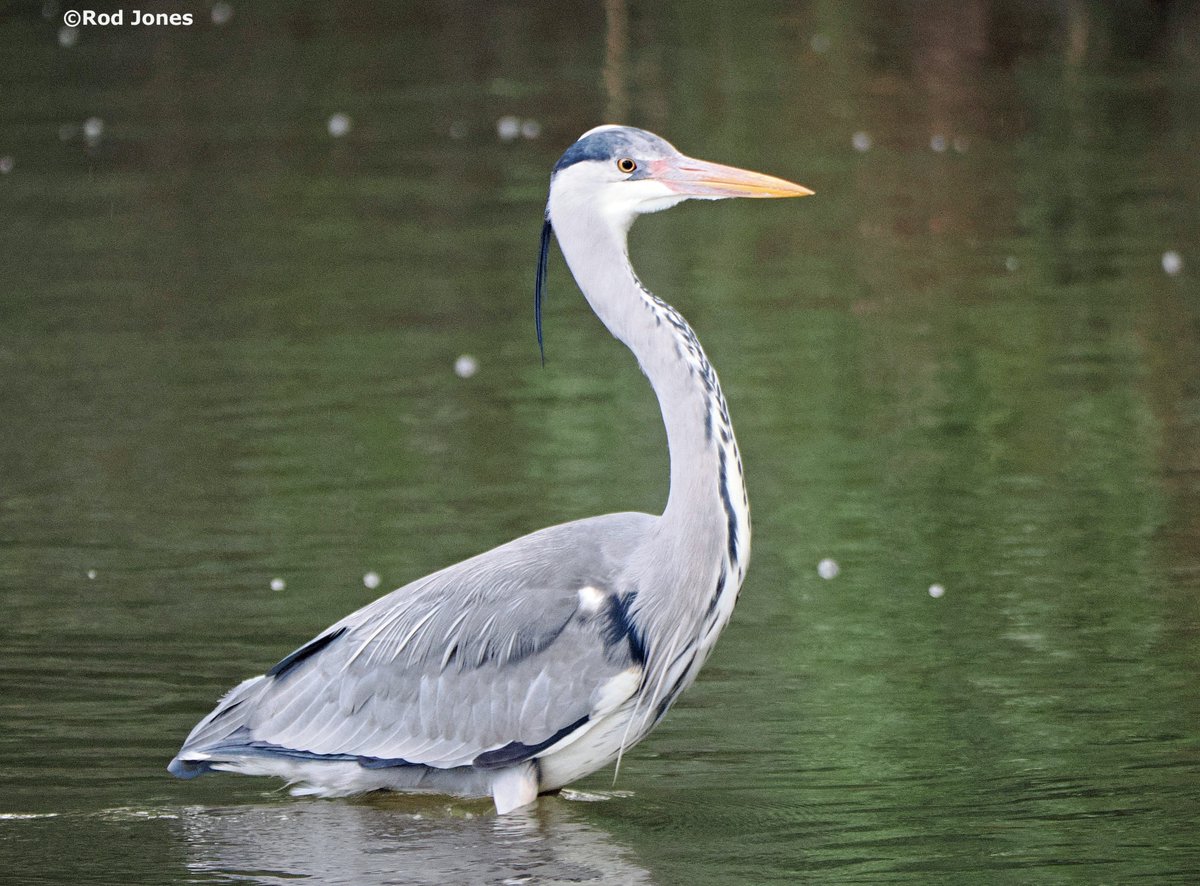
(626, 165)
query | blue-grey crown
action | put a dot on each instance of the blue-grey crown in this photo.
(609, 144)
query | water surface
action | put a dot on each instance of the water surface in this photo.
(227, 348)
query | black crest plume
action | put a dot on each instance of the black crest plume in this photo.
(539, 284)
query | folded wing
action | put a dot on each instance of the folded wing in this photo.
(484, 664)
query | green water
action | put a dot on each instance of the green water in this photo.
(227, 348)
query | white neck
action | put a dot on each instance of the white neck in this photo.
(698, 557)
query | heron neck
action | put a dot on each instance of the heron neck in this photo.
(707, 507)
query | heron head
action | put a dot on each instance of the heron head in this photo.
(623, 172)
(613, 174)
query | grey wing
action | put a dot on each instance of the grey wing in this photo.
(487, 662)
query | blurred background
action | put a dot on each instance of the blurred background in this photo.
(267, 352)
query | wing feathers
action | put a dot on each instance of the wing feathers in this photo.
(305, 651)
(486, 663)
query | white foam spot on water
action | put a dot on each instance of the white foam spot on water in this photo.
(278, 584)
(221, 13)
(936, 590)
(371, 580)
(828, 568)
(93, 130)
(1172, 262)
(508, 128)
(339, 124)
(6, 164)
(861, 141)
(91, 574)
(1011, 264)
(67, 37)
(531, 129)
(938, 142)
(466, 366)
(819, 43)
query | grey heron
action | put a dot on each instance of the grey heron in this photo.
(529, 666)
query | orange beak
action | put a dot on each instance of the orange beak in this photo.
(699, 178)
